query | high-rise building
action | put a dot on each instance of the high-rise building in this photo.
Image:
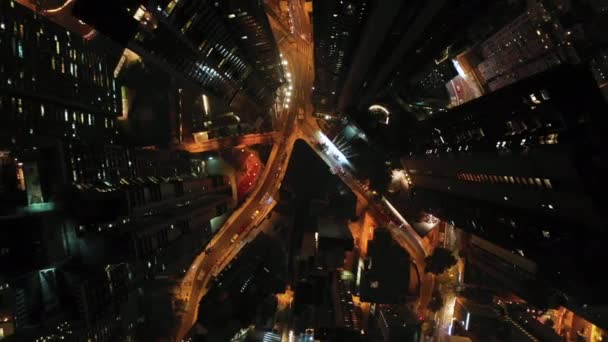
(247, 20)
(336, 27)
(87, 219)
(522, 168)
(533, 42)
(55, 83)
(380, 282)
(57, 93)
(189, 39)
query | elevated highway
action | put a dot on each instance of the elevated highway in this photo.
(296, 122)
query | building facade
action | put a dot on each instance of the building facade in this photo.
(336, 27)
(520, 167)
(192, 41)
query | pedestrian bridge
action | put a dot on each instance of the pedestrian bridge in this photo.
(229, 142)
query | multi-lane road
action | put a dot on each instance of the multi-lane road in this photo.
(226, 244)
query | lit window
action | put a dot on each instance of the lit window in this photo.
(171, 7)
(90, 117)
(511, 180)
(41, 110)
(20, 49)
(534, 99)
(66, 115)
(551, 139)
(547, 183)
(187, 26)
(538, 182)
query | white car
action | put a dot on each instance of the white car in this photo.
(234, 238)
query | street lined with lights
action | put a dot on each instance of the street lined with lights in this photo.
(226, 244)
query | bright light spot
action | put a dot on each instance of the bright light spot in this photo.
(380, 108)
(333, 150)
(244, 37)
(284, 62)
(231, 15)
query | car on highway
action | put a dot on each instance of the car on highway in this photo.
(242, 229)
(255, 214)
(234, 238)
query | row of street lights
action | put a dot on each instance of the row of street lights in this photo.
(289, 87)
